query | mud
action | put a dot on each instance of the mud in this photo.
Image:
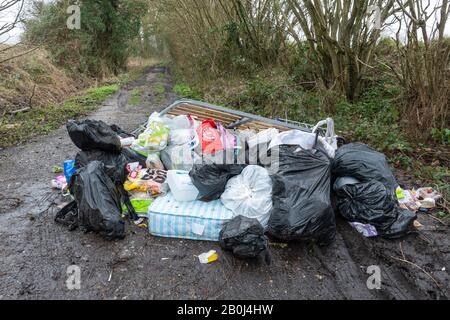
(35, 252)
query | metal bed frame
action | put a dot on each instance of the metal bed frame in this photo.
(231, 119)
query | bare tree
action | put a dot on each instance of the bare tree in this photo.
(341, 37)
(424, 61)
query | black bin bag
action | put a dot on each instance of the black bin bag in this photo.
(98, 201)
(374, 203)
(359, 161)
(301, 196)
(211, 179)
(94, 135)
(245, 238)
(373, 199)
(115, 163)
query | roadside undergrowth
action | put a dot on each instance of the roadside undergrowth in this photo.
(19, 127)
(375, 119)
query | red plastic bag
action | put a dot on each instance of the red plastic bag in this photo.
(209, 137)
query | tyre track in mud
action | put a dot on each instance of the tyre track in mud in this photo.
(35, 252)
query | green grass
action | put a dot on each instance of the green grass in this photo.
(161, 75)
(186, 91)
(135, 97)
(94, 95)
(133, 74)
(163, 63)
(22, 126)
(159, 89)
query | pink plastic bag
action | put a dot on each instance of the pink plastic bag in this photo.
(228, 139)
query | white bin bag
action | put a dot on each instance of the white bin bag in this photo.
(249, 194)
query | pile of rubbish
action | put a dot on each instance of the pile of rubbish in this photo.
(185, 178)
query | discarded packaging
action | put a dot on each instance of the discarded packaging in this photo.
(140, 202)
(367, 230)
(428, 203)
(422, 199)
(208, 257)
(154, 137)
(176, 157)
(305, 140)
(69, 169)
(58, 183)
(209, 137)
(428, 192)
(147, 180)
(127, 142)
(57, 169)
(154, 162)
(115, 163)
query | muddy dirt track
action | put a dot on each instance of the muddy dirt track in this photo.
(35, 252)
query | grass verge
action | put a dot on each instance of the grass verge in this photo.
(135, 97)
(20, 127)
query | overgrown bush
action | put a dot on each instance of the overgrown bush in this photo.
(100, 47)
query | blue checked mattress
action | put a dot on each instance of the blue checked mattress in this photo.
(195, 220)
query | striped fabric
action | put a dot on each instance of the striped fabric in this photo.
(195, 220)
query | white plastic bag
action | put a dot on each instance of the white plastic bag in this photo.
(303, 139)
(330, 139)
(250, 194)
(307, 140)
(264, 136)
(182, 129)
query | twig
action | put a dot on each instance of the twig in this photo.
(19, 110)
(419, 267)
(437, 219)
(401, 250)
(19, 55)
(10, 47)
(424, 238)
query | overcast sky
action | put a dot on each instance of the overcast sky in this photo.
(14, 35)
(9, 16)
